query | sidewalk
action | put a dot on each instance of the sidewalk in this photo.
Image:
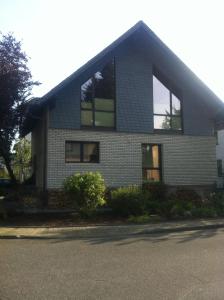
(107, 231)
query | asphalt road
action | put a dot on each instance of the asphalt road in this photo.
(166, 266)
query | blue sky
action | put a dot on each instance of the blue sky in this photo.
(60, 36)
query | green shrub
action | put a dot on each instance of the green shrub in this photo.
(157, 190)
(216, 200)
(86, 190)
(204, 212)
(145, 218)
(3, 213)
(126, 201)
(188, 196)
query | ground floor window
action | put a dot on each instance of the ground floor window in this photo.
(151, 162)
(81, 152)
(219, 168)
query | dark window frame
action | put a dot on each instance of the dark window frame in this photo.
(93, 110)
(173, 90)
(82, 152)
(160, 169)
(219, 168)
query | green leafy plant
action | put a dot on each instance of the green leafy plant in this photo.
(145, 218)
(126, 201)
(86, 190)
(157, 190)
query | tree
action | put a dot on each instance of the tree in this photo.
(22, 159)
(15, 87)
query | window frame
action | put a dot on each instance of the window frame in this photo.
(93, 109)
(219, 168)
(173, 90)
(160, 169)
(82, 143)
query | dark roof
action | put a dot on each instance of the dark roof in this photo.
(196, 82)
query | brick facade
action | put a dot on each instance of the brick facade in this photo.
(186, 160)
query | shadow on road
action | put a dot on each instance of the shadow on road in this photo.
(120, 240)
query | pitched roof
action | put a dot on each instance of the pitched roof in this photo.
(191, 77)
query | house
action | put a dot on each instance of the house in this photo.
(134, 112)
(220, 157)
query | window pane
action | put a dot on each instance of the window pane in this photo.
(104, 104)
(155, 156)
(87, 118)
(105, 82)
(150, 156)
(151, 175)
(176, 123)
(161, 98)
(161, 122)
(87, 92)
(72, 152)
(90, 152)
(87, 104)
(104, 119)
(175, 105)
(147, 156)
(219, 167)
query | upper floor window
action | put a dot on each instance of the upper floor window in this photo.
(98, 99)
(167, 107)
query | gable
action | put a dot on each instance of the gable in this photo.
(141, 40)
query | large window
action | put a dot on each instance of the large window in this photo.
(151, 162)
(98, 99)
(85, 152)
(167, 108)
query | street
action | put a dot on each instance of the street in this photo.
(184, 265)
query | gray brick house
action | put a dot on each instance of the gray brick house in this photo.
(134, 112)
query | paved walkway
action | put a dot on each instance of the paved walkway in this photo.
(110, 231)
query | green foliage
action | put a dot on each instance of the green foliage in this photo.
(157, 190)
(145, 218)
(15, 87)
(126, 201)
(204, 212)
(3, 213)
(86, 190)
(22, 159)
(217, 201)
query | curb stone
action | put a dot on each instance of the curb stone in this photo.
(105, 231)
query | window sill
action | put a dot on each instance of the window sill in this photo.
(100, 128)
(167, 131)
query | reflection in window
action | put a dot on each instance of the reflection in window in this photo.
(98, 99)
(81, 152)
(151, 165)
(167, 107)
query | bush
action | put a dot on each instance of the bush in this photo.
(140, 219)
(204, 212)
(86, 190)
(126, 201)
(216, 199)
(3, 213)
(157, 190)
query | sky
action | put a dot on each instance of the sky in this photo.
(60, 36)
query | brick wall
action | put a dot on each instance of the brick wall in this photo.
(186, 160)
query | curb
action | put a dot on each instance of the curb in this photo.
(108, 233)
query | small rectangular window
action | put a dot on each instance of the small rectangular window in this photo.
(81, 152)
(219, 168)
(151, 162)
